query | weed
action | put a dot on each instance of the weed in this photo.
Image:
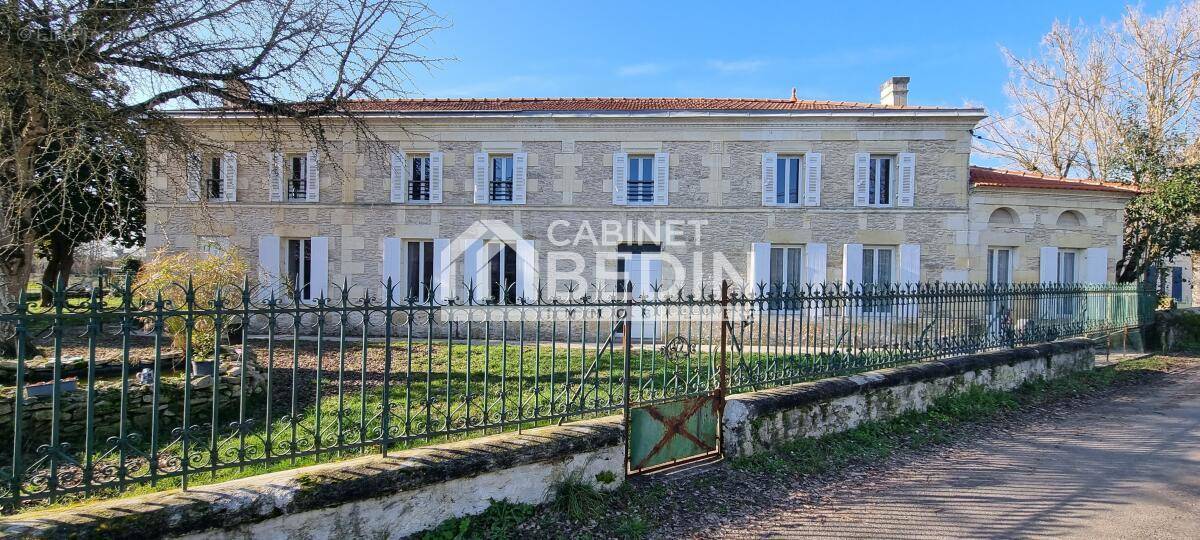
(577, 498)
(498, 522)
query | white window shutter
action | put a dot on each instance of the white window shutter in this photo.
(481, 178)
(768, 178)
(760, 268)
(620, 179)
(313, 185)
(910, 263)
(815, 262)
(320, 267)
(862, 178)
(475, 267)
(812, 179)
(275, 176)
(192, 166)
(399, 162)
(1096, 261)
(393, 268)
(268, 266)
(852, 258)
(906, 191)
(435, 177)
(443, 285)
(229, 176)
(527, 271)
(662, 177)
(1048, 265)
(520, 176)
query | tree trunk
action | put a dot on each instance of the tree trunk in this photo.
(59, 260)
(14, 277)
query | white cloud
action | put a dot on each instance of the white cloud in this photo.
(737, 66)
(638, 70)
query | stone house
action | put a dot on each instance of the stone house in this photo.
(680, 191)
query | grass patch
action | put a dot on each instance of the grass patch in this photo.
(498, 522)
(877, 440)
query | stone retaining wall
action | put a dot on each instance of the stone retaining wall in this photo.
(756, 421)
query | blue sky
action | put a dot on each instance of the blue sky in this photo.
(827, 50)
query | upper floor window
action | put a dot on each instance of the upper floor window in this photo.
(641, 180)
(213, 181)
(500, 188)
(297, 177)
(879, 190)
(787, 179)
(419, 180)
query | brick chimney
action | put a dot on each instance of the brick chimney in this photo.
(894, 92)
(238, 89)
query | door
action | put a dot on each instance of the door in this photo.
(643, 272)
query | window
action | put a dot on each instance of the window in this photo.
(786, 273)
(1002, 216)
(502, 276)
(297, 177)
(215, 186)
(640, 189)
(877, 272)
(420, 270)
(418, 184)
(299, 267)
(879, 189)
(999, 266)
(787, 179)
(1068, 271)
(500, 189)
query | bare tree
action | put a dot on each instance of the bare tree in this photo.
(115, 67)
(1070, 106)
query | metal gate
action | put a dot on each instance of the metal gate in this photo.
(682, 428)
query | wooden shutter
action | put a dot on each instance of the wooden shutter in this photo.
(862, 178)
(268, 266)
(520, 172)
(313, 182)
(399, 163)
(1048, 265)
(906, 190)
(527, 271)
(815, 263)
(910, 263)
(393, 268)
(475, 267)
(275, 176)
(620, 178)
(768, 178)
(435, 177)
(193, 172)
(852, 258)
(662, 177)
(760, 268)
(229, 176)
(481, 178)
(443, 285)
(812, 179)
(1096, 265)
(320, 267)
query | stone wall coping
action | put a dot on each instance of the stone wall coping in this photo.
(762, 402)
(256, 498)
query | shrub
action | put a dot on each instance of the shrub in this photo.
(168, 274)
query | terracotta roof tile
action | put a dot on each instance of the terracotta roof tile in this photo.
(988, 177)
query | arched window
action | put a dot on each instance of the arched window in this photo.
(1071, 218)
(1003, 216)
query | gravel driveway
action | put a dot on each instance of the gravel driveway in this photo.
(1125, 465)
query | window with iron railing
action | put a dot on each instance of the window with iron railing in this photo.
(641, 180)
(418, 184)
(297, 179)
(500, 189)
(216, 186)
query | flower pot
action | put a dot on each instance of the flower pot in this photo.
(47, 388)
(202, 367)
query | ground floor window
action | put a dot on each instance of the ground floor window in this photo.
(787, 272)
(299, 268)
(502, 275)
(877, 272)
(999, 266)
(420, 269)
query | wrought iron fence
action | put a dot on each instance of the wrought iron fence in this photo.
(187, 383)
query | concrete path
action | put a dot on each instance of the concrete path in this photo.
(1124, 468)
